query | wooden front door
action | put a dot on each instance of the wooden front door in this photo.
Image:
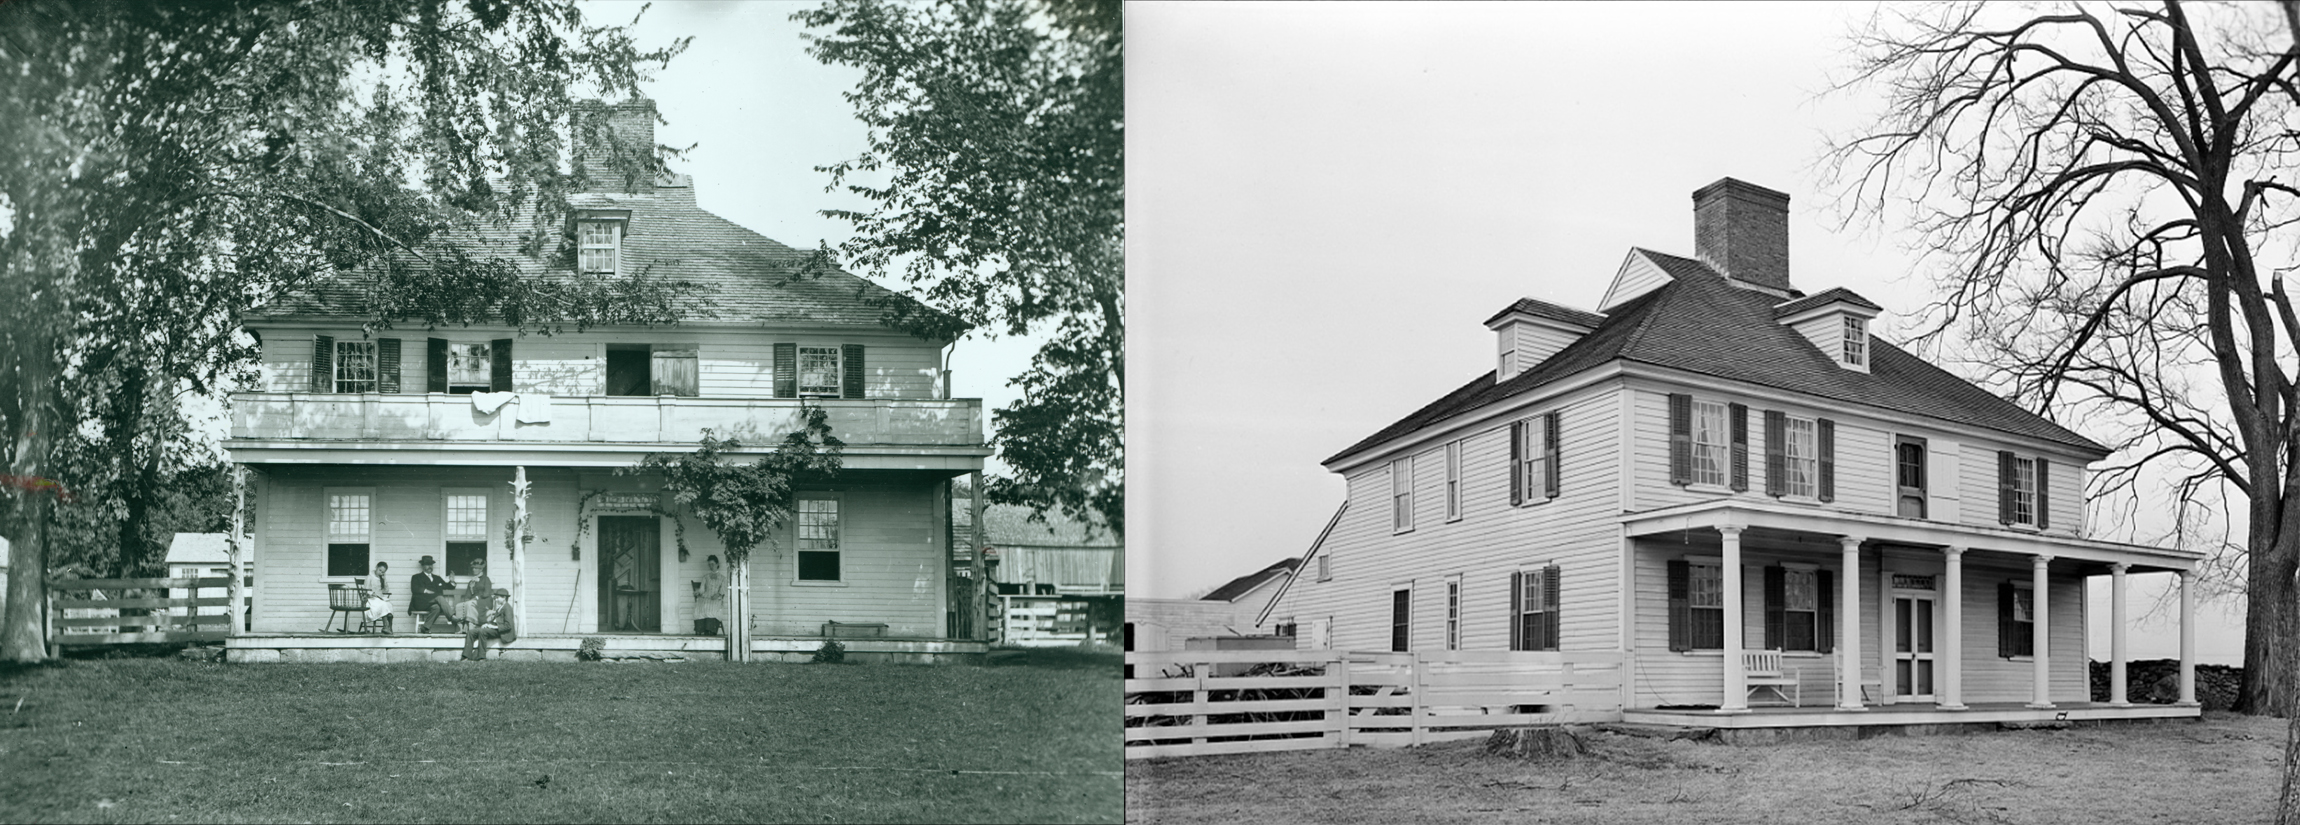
(1913, 647)
(630, 575)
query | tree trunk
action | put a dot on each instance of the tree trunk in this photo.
(21, 636)
(2271, 618)
(1544, 743)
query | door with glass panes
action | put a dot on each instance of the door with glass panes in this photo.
(1914, 615)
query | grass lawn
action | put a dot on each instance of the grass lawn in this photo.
(2223, 769)
(1030, 739)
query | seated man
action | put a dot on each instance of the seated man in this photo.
(484, 618)
(430, 601)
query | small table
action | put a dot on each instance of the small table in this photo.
(624, 596)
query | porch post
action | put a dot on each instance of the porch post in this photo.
(2040, 612)
(518, 548)
(2116, 681)
(1736, 678)
(2188, 638)
(1849, 625)
(232, 613)
(1952, 695)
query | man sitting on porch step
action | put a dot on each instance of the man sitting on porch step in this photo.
(484, 618)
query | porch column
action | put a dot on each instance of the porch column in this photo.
(2116, 683)
(1736, 679)
(518, 547)
(232, 613)
(2040, 612)
(1849, 625)
(2188, 638)
(1952, 689)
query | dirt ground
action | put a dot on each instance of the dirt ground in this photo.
(2221, 769)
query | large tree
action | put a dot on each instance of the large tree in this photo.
(2109, 192)
(170, 166)
(996, 170)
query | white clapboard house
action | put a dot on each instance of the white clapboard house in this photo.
(1742, 492)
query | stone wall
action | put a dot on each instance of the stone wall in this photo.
(2157, 681)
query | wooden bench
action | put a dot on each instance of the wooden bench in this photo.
(1837, 686)
(1763, 670)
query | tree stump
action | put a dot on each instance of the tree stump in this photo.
(1547, 742)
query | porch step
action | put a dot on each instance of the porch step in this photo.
(1669, 733)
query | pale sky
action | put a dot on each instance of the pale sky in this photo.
(1325, 202)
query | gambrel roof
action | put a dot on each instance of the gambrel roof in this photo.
(1700, 323)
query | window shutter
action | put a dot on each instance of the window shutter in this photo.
(1680, 439)
(2005, 635)
(2005, 486)
(1776, 461)
(1550, 462)
(1550, 622)
(1516, 463)
(1825, 620)
(499, 350)
(1825, 443)
(1517, 610)
(323, 363)
(1680, 605)
(2043, 493)
(1740, 476)
(786, 370)
(851, 358)
(435, 365)
(1776, 607)
(387, 365)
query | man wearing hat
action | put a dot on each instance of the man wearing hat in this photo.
(484, 618)
(428, 587)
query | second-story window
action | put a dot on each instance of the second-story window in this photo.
(1909, 473)
(355, 366)
(1712, 453)
(819, 371)
(601, 246)
(1402, 495)
(1856, 342)
(1800, 458)
(469, 368)
(2024, 491)
(1452, 480)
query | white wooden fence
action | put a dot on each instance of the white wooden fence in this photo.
(1190, 703)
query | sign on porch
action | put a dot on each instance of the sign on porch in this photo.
(625, 501)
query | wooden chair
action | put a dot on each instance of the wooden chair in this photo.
(343, 602)
(1867, 681)
(1764, 671)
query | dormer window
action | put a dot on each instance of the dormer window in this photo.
(1856, 342)
(600, 246)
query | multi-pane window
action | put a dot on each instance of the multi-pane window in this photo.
(1453, 615)
(1452, 480)
(355, 366)
(1909, 474)
(466, 532)
(1706, 598)
(600, 243)
(469, 369)
(2024, 491)
(349, 515)
(1325, 567)
(1535, 614)
(1856, 342)
(1402, 494)
(1712, 447)
(1801, 605)
(1401, 619)
(1800, 457)
(1533, 452)
(1509, 363)
(819, 371)
(2023, 635)
(818, 539)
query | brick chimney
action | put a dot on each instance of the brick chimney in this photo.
(632, 126)
(1742, 229)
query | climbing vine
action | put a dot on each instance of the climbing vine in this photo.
(583, 525)
(746, 504)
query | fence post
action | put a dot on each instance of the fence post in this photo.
(1341, 671)
(1566, 683)
(1199, 717)
(1414, 665)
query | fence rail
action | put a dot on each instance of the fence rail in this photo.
(132, 611)
(1191, 703)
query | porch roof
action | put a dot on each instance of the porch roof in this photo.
(1898, 530)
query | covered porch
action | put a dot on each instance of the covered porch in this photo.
(379, 648)
(1913, 621)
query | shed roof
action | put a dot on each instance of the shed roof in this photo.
(199, 548)
(1235, 588)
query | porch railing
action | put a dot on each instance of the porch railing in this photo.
(444, 417)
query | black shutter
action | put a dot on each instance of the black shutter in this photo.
(786, 370)
(2006, 644)
(2043, 493)
(851, 358)
(1825, 439)
(1549, 595)
(1550, 462)
(1517, 610)
(435, 365)
(323, 363)
(1825, 621)
(387, 365)
(1516, 460)
(1776, 607)
(1680, 605)
(1680, 438)
(499, 350)
(2005, 491)
(1740, 476)
(1776, 461)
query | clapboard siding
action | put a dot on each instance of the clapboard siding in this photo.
(732, 364)
(892, 560)
(1978, 475)
(1576, 531)
(1666, 677)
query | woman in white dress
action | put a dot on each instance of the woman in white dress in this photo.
(711, 600)
(379, 597)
